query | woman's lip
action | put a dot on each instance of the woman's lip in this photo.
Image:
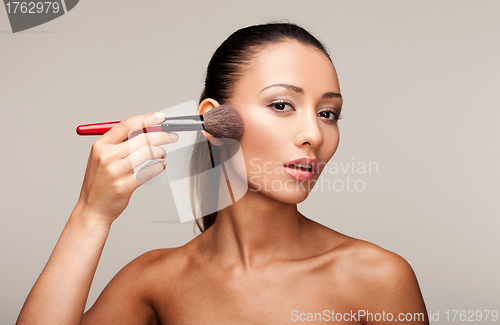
(313, 162)
(300, 174)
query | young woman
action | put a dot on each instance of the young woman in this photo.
(258, 261)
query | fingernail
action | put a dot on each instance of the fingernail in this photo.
(160, 115)
(174, 136)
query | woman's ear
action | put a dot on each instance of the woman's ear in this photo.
(206, 105)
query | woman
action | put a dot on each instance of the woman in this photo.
(258, 261)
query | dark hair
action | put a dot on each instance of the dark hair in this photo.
(223, 71)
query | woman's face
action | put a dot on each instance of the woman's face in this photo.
(289, 100)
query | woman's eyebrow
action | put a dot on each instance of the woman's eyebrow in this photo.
(300, 90)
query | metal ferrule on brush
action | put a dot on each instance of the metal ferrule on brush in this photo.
(183, 123)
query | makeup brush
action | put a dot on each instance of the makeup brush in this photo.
(222, 121)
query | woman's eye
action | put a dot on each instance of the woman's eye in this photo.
(331, 115)
(282, 106)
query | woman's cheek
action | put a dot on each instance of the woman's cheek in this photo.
(332, 139)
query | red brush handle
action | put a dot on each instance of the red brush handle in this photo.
(96, 128)
(101, 128)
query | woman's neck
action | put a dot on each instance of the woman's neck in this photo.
(255, 231)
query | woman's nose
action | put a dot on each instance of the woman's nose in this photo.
(310, 133)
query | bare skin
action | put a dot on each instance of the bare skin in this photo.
(262, 262)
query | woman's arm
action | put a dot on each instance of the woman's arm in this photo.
(60, 293)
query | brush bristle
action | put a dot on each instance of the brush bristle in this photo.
(223, 122)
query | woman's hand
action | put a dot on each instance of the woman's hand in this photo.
(109, 178)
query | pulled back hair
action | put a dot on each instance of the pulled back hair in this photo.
(226, 66)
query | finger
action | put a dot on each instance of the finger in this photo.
(141, 126)
(137, 158)
(147, 173)
(147, 140)
(133, 181)
(121, 131)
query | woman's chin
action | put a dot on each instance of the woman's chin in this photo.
(289, 197)
(294, 199)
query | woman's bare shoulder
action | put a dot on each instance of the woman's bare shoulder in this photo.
(357, 253)
(372, 262)
(365, 260)
(162, 261)
(129, 295)
(376, 277)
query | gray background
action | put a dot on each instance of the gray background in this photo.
(420, 81)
